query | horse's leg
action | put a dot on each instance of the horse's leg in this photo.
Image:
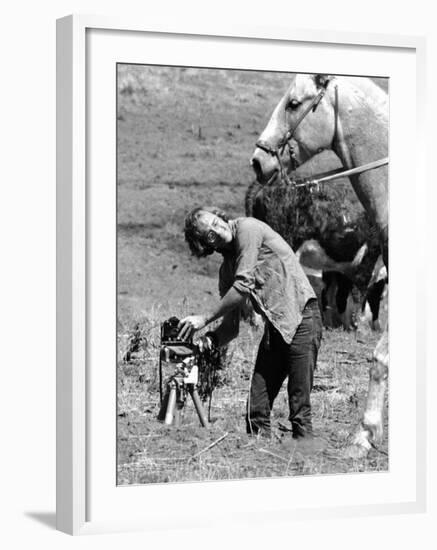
(369, 432)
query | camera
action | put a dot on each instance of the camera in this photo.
(178, 359)
(179, 372)
(184, 370)
(173, 349)
(169, 331)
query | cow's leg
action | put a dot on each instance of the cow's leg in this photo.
(374, 294)
(330, 314)
(349, 317)
(347, 301)
(343, 290)
(370, 430)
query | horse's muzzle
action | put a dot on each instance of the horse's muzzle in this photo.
(264, 165)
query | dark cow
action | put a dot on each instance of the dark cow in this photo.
(332, 282)
(335, 228)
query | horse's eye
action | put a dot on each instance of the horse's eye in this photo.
(293, 104)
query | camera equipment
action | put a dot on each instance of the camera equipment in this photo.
(179, 370)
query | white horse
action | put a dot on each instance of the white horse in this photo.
(350, 116)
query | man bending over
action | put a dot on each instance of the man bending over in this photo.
(258, 265)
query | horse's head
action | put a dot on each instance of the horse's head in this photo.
(303, 119)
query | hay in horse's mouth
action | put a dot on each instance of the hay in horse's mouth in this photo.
(271, 179)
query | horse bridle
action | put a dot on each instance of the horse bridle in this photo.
(323, 177)
(278, 151)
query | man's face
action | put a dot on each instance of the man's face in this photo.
(210, 224)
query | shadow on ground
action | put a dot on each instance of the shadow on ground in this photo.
(45, 518)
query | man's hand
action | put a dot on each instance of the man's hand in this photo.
(205, 343)
(230, 302)
(189, 325)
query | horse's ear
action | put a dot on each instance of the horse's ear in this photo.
(322, 80)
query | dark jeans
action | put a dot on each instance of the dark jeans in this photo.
(275, 361)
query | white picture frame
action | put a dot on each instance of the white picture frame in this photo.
(75, 214)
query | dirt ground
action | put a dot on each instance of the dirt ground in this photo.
(185, 137)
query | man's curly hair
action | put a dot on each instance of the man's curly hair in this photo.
(196, 241)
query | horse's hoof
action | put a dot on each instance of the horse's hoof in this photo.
(356, 451)
(359, 446)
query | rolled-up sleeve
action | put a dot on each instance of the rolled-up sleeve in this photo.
(248, 241)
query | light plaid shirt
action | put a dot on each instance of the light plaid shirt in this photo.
(263, 266)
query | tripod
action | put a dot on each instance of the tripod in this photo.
(174, 401)
(182, 357)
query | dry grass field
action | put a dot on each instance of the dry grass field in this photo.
(185, 137)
